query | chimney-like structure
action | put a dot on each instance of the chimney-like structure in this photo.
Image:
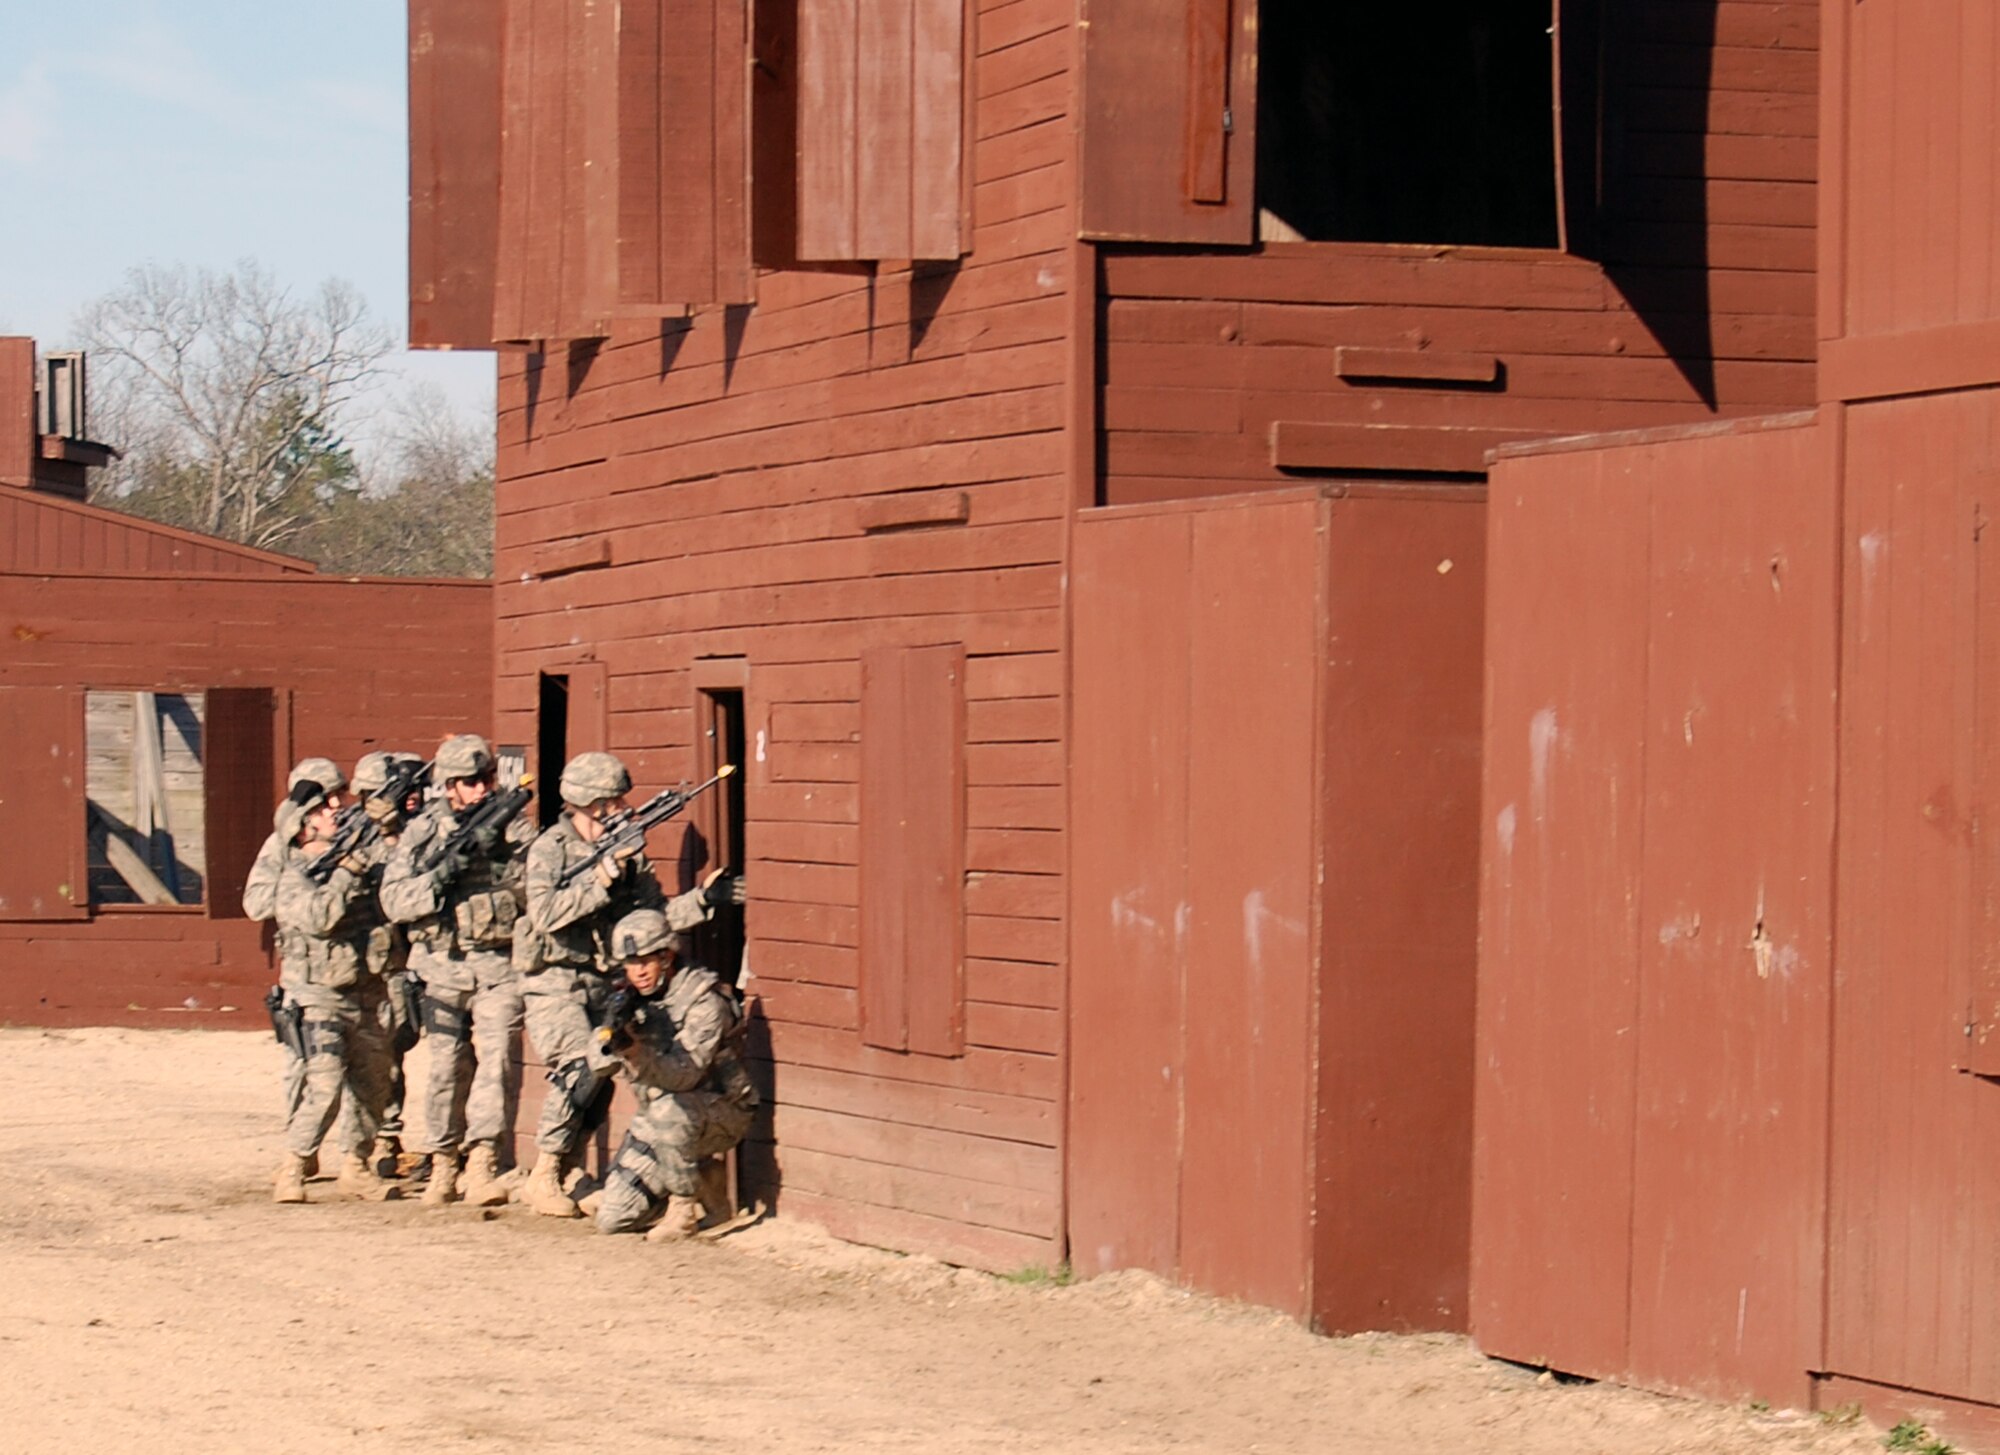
(42, 440)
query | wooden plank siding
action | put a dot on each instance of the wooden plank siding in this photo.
(1702, 305)
(856, 462)
(43, 533)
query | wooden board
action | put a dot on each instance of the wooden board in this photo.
(42, 875)
(454, 171)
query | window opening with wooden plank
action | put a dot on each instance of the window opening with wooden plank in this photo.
(1407, 124)
(1468, 122)
(146, 798)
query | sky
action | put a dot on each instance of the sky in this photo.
(202, 132)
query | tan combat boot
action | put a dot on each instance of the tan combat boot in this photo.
(290, 1184)
(679, 1221)
(444, 1179)
(543, 1190)
(358, 1179)
(483, 1187)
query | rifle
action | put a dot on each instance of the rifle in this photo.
(481, 831)
(623, 1009)
(404, 780)
(626, 829)
(353, 830)
(288, 1021)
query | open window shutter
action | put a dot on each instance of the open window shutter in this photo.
(1169, 99)
(43, 874)
(882, 125)
(1578, 58)
(239, 755)
(556, 271)
(912, 993)
(682, 154)
(454, 171)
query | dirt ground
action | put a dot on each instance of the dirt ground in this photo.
(151, 1293)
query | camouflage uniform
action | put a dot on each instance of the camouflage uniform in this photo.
(260, 891)
(565, 962)
(695, 1098)
(461, 930)
(330, 936)
(370, 776)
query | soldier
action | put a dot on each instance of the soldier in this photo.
(680, 1041)
(260, 896)
(260, 890)
(564, 956)
(395, 1004)
(461, 912)
(329, 937)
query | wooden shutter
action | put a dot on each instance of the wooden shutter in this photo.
(683, 145)
(1169, 101)
(454, 171)
(913, 849)
(43, 875)
(882, 124)
(239, 757)
(555, 276)
(1577, 54)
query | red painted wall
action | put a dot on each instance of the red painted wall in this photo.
(353, 665)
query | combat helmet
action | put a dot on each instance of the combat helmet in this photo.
(593, 776)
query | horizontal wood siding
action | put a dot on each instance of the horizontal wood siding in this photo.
(1704, 305)
(768, 482)
(352, 665)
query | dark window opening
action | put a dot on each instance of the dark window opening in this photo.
(1407, 124)
(551, 743)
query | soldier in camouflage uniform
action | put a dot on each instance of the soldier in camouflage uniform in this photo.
(260, 890)
(461, 915)
(396, 999)
(681, 1045)
(564, 956)
(329, 937)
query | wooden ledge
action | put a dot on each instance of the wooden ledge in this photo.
(1419, 365)
(920, 508)
(559, 558)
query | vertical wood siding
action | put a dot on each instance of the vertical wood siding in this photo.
(761, 479)
(42, 533)
(454, 171)
(1655, 932)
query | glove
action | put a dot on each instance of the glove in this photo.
(722, 888)
(456, 862)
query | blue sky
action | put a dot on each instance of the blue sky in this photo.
(201, 132)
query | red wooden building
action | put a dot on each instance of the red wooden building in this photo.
(123, 643)
(1738, 1000)
(1046, 440)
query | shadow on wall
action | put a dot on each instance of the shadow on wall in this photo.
(1653, 172)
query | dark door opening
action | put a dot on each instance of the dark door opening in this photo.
(551, 743)
(720, 825)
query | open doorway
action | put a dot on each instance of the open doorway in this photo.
(551, 742)
(717, 833)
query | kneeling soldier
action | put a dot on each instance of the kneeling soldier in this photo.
(330, 938)
(679, 1037)
(461, 912)
(563, 954)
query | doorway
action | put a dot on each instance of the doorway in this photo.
(551, 743)
(717, 834)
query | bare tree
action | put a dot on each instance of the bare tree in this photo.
(226, 391)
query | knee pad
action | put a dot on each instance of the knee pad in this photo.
(446, 1021)
(576, 1083)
